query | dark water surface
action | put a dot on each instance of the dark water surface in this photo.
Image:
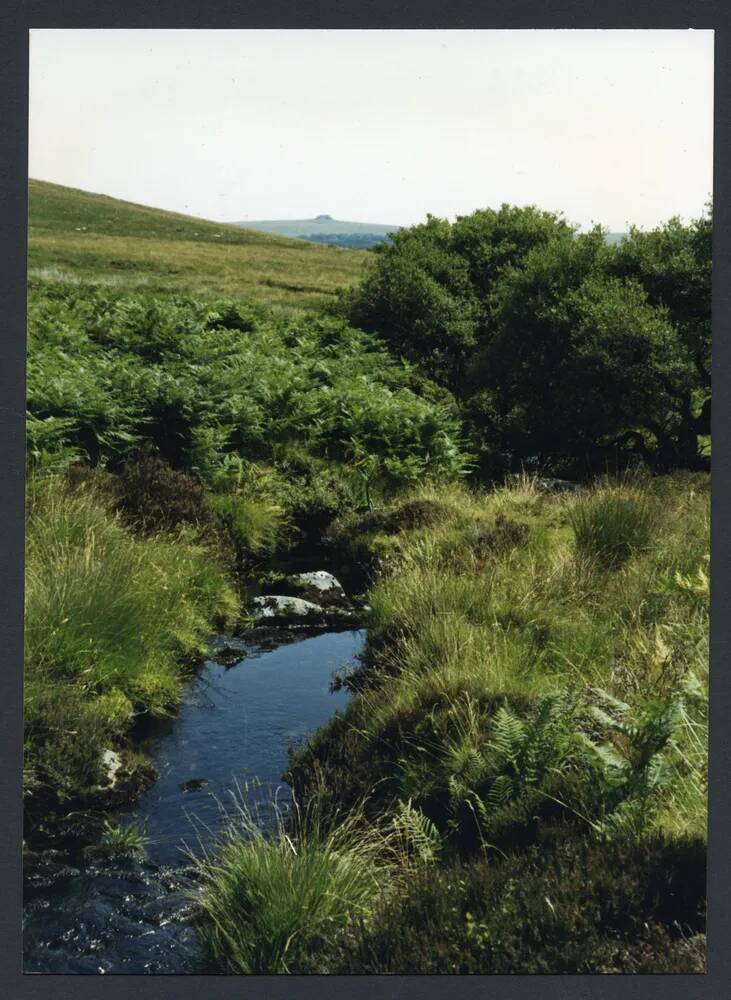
(234, 728)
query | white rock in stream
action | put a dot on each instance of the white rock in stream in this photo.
(286, 609)
(321, 580)
(319, 587)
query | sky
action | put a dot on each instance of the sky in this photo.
(609, 127)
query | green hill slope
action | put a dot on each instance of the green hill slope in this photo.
(76, 235)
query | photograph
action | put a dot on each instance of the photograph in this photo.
(367, 501)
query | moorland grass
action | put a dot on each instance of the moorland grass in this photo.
(517, 690)
(110, 618)
(76, 236)
(515, 623)
(273, 902)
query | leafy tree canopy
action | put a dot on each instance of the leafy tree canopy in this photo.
(558, 345)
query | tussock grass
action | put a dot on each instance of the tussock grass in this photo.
(256, 525)
(272, 901)
(514, 616)
(120, 839)
(613, 523)
(109, 619)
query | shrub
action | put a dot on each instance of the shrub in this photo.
(154, 497)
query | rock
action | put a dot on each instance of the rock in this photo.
(112, 763)
(283, 610)
(193, 784)
(227, 656)
(279, 609)
(319, 587)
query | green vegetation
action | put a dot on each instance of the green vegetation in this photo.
(518, 783)
(564, 349)
(90, 239)
(573, 907)
(109, 619)
(482, 611)
(121, 839)
(269, 902)
(198, 381)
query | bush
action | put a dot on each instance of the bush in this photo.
(154, 497)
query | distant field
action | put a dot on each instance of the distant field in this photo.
(78, 236)
(325, 229)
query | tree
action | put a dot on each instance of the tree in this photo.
(583, 361)
(556, 344)
(430, 293)
(673, 263)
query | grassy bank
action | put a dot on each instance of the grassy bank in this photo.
(111, 621)
(532, 701)
(79, 237)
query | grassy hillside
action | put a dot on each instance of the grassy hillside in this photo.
(83, 237)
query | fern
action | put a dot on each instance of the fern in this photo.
(493, 785)
(418, 831)
(629, 772)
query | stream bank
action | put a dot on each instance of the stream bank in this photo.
(86, 913)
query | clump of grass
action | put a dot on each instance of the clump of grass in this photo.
(123, 840)
(613, 523)
(256, 525)
(270, 901)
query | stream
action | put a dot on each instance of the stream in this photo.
(86, 914)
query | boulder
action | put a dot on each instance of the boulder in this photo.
(283, 610)
(319, 587)
(279, 609)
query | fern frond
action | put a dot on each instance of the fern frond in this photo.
(418, 831)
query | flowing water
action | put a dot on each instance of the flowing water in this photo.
(90, 915)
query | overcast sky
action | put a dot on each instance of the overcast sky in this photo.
(380, 126)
